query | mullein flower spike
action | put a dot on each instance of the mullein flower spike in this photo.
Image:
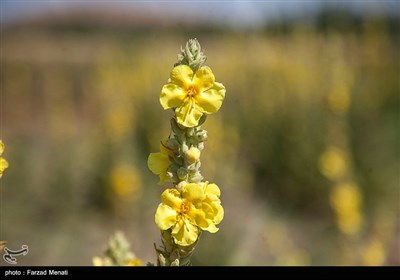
(192, 206)
(118, 253)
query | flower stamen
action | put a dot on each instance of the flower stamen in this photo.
(184, 208)
(191, 92)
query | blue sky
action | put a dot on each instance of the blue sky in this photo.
(233, 13)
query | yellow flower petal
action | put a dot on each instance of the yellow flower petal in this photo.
(165, 217)
(220, 215)
(193, 192)
(211, 228)
(210, 100)
(3, 166)
(182, 76)
(213, 216)
(158, 163)
(3, 162)
(172, 198)
(203, 79)
(172, 95)
(1, 147)
(185, 233)
(188, 114)
(163, 178)
(200, 219)
(212, 189)
(134, 262)
(97, 261)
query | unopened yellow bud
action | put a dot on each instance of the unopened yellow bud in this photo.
(192, 155)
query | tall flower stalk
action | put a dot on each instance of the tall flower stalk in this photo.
(193, 205)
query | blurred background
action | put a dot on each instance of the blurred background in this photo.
(305, 147)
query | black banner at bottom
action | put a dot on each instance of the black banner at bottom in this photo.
(10, 272)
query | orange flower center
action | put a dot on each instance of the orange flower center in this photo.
(191, 92)
(184, 208)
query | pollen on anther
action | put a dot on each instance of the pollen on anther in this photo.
(191, 91)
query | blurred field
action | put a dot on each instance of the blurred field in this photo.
(305, 148)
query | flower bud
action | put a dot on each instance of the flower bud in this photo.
(192, 155)
(184, 148)
(161, 260)
(201, 135)
(172, 144)
(196, 177)
(200, 146)
(192, 55)
(197, 165)
(175, 127)
(178, 160)
(170, 175)
(182, 173)
(190, 132)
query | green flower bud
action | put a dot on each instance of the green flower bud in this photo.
(176, 128)
(190, 132)
(172, 144)
(196, 178)
(197, 165)
(192, 55)
(182, 173)
(174, 256)
(184, 148)
(161, 260)
(178, 160)
(170, 175)
(173, 168)
(201, 135)
(200, 146)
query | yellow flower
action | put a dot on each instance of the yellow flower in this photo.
(346, 200)
(159, 163)
(374, 254)
(339, 98)
(125, 181)
(333, 163)
(212, 208)
(192, 94)
(197, 207)
(134, 262)
(97, 261)
(3, 162)
(106, 261)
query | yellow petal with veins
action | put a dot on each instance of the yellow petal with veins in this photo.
(165, 217)
(158, 163)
